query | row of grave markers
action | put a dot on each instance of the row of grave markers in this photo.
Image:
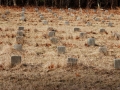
(60, 49)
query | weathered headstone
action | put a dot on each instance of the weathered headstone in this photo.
(60, 18)
(20, 28)
(7, 12)
(51, 33)
(66, 22)
(103, 50)
(50, 29)
(110, 24)
(42, 18)
(76, 29)
(15, 60)
(83, 35)
(72, 61)
(18, 47)
(91, 41)
(117, 63)
(19, 39)
(61, 49)
(54, 40)
(89, 24)
(102, 30)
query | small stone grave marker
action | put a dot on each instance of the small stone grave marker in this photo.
(102, 30)
(42, 18)
(66, 22)
(18, 47)
(72, 61)
(110, 24)
(20, 28)
(60, 18)
(117, 63)
(91, 41)
(61, 49)
(54, 40)
(76, 29)
(51, 33)
(45, 22)
(103, 50)
(83, 35)
(15, 60)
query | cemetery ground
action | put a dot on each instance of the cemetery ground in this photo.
(42, 66)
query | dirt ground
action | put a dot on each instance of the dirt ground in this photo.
(42, 68)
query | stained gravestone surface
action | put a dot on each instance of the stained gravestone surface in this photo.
(72, 61)
(51, 33)
(61, 49)
(60, 18)
(54, 40)
(19, 39)
(15, 60)
(117, 63)
(18, 47)
(76, 29)
(103, 50)
(20, 28)
(91, 41)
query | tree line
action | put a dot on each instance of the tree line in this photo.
(63, 3)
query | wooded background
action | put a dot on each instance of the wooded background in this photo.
(64, 3)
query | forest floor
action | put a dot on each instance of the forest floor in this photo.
(42, 68)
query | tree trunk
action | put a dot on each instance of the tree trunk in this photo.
(27, 2)
(0, 2)
(79, 4)
(14, 2)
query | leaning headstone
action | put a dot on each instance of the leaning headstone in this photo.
(117, 63)
(18, 47)
(54, 40)
(83, 35)
(51, 33)
(19, 39)
(21, 28)
(116, 36)
(72, 61)
(15, 60)
(103, 50)
(76, 29)
(91, 41)
(20, 33)
(66, 22)
(45, 22)
(61, 49)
